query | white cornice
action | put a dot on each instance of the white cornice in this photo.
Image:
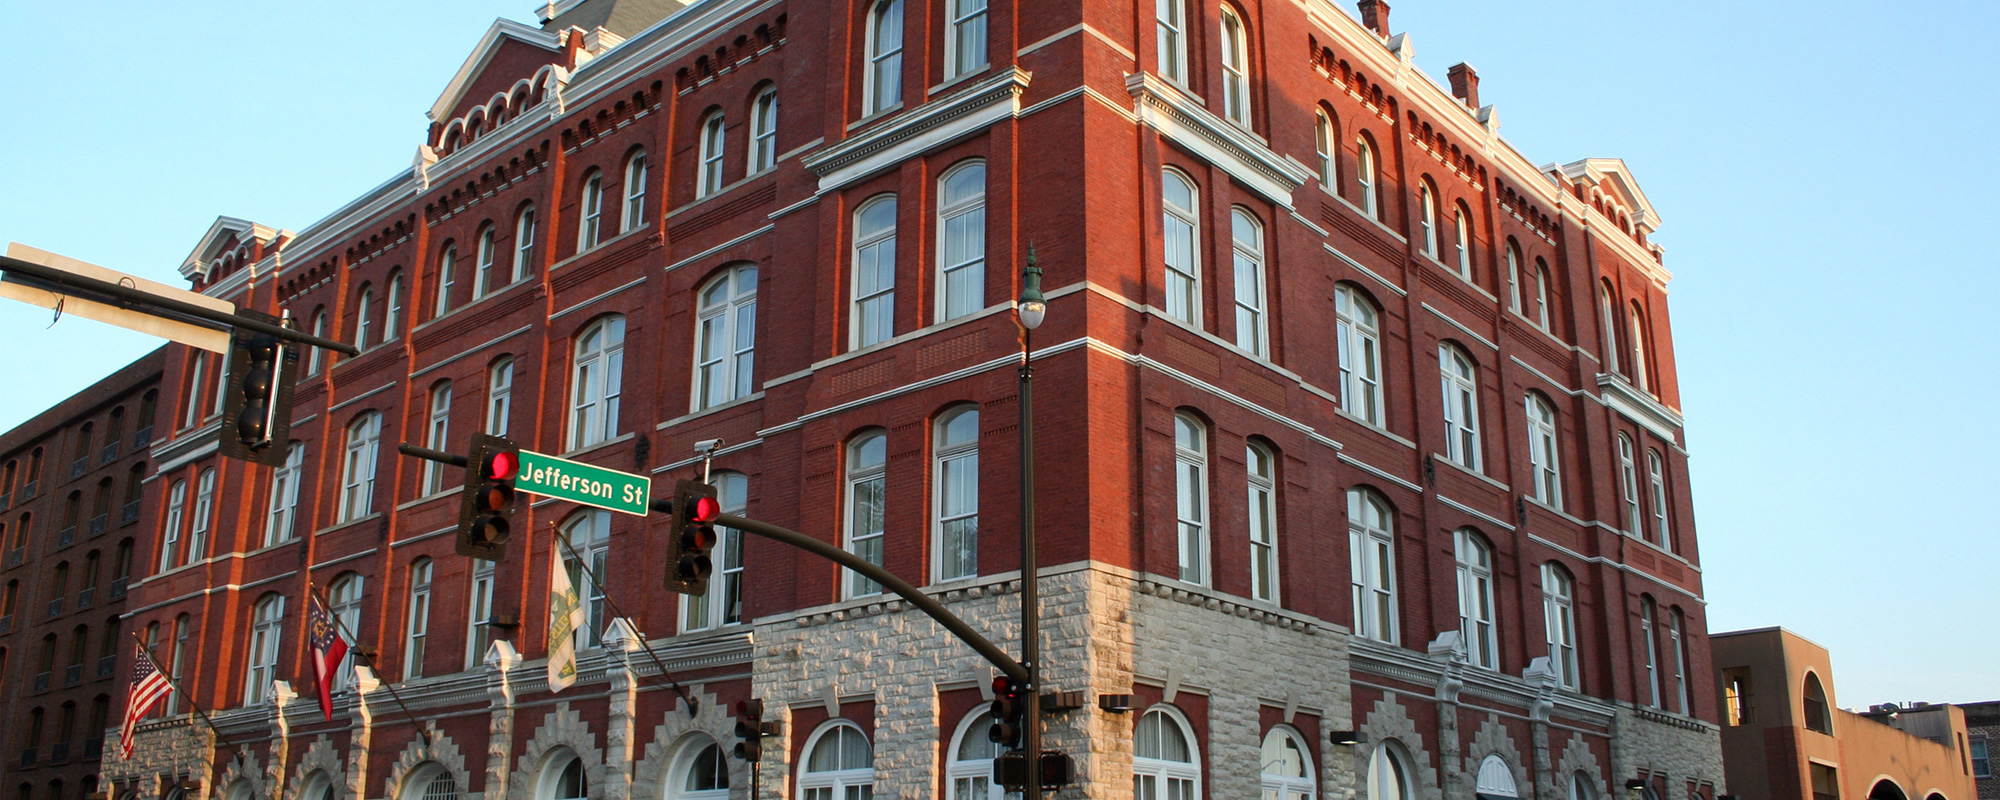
(1165, 108)
(224, 227)
(927, 128)
(483, 53)
(1638, 407)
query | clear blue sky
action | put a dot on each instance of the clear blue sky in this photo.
(1817, 165)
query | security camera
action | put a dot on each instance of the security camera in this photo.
(707, 446)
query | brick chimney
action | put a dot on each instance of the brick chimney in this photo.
(1464, 84)
(1375, 15)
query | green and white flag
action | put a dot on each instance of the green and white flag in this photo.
(565, 617)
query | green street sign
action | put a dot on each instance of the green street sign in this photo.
(583, 483)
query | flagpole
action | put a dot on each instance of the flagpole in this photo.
(220, 738)
(341, 627)
(693, 706)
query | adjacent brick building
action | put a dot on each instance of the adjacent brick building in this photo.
(1982, 723)
(1292, 282)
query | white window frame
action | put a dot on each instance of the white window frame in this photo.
(284, 504)
(1262, 486)
(499, 396)
(436, 435)
(1559, 616)
(725, 342)
(961, 261)
(866, 474)
(170, 532)
(764, 131)
(392, 317)
(873, 291)
(1427, 223)
(1608, 317)
(1235, 68)
(1323, 139)
(417, 624)
(1628, 486)
(361, 312)
(1371, 547)
(589, 535)
(1181, 247)
(1476, 611)
(267, 628)
(1463, 241)
(483, 259)
(972, 778)
(1171, 29)
(1544, 454)
(692, 752)
(364, 439)
(714, 147)
(447, 274)
(1367, 175)
(1358, 337)
(195, 376)
(838, 783)
(1677, 633)
(597, 379)
(1656, 476)
(1460, 380)
(203, 518)
(1541, 293)
(1191, 497)
(479, 611)
(1389, 775)
(965, 37)
(955, 494)
(590, 205)
(344, 605)
(524, 243)
(1637, 342)
(1281, 786)
(722, 605)
(1252, 323)
(1159, 777)
(634, 217)
(1649, 632)
(882, 83)
(313, 354)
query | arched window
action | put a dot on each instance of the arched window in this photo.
(1495, 780)
(1164, 761)
(874, 310)
(635, 192)
(589, 535)
(1235, 68)
(1513, 275)
(362, 310)
(1475, 599)
(1172, 18)
(392, 317)
(1181, 235)
(436, 435)
(1543, 459)
(1637, 341)
(313, 354)
(318, 786)
(183, 642)
(479, 614)
(417, 627)
(962, 240)
(1368, 176)
(196, 369)
(499, 395)
(344, 605)
(1191, 496)
(1628, 485)
(965, 45)
(1427, 213)
(726, 337)
(713, 143)
(1285, 770)
(1559, 614)
(485, 274)
(591, 210)
(839, 764)
(955, 508)
(1371, 548)
(1261, 467)
(1461, 406)
(170, 530)
(597, 378)
(867, 459)
(1656, 477)
(1676, 634)
(364, 437)
(701, 772)
(524, 243)
(1818, 714)
(764, 130)
(204, 516)
(1388, 775)
(1650, 644)
(429, 781)
(1609, 319)
(563, 778)
(1580, 786)
(883, 89)
(1542, 292)
(723, 605)
(266, 627)
(1358, 337)
(1247, 242)
(447, 275)
(970, 770)
(1324, 136)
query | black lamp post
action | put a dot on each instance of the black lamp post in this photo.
(1030, 308)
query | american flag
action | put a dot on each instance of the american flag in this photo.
(328, 648)
(149, 687)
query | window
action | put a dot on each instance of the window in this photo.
(1982, 763)
(1388, 778)
(962, 240)
(221, 386)
(1247, 239)
(596, 381)
(1475, 599)
(1358, 337)
(1628, 485)
(361, 313)
(1324, 136)
(635, 192)
(1181, 232)
(1818, 717)
(590, 537)
(867, 457)
(1736, 698)
(1676, 627)
(884, 87)
(436, 435)
(499, 396)
(713, 143)
(1559, 614)
(447, 273)
(1650, 634)
(267, 625)
(484, 278)
(1609, 320)
(1164, 765)
(1637, 341)
(764, 130)
(965, 48)
(204, 516)
(1580, 786)
(1285, 770)
(478, 635)
(590, 226)
(1541, 292)
(970, 770)
(417, 627)
(1263, 514)
(1462, 241)
(563, 778)
(1172, 18)
(392, 318)
(1427, 213)
(955, 509)
(703, 773)
(344, 605)
(1461, 407)
(524, 243)
(1369, 178)
(875, 270)
(726, 337)
(357, 495)
(1235, 68)
(1543, 461)
(1191, 496)
(1371, 548)
(839, 764)
(723, 605)
(313, 354)
(1656, 476)
(194, 376)
(170, 533)
(177, 661)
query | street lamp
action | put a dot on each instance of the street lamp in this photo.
(1031, 307)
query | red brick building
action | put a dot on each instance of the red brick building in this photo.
(1292, 282)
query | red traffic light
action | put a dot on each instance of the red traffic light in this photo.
(501, 466)
(706, 509)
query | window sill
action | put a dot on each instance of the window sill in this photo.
(602, 244)
(714, 409)
(872, 118)
(409, 504)
(1441, 458)
(357, 521)
(596, 446)
(960, 78)
(1377, 429)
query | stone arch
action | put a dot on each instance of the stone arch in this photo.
(561, 729)
(441, 751)
(1492, 739)
(243, 770)
(320, 756)
(1576, 757)
(1388, 720)
(673, 733)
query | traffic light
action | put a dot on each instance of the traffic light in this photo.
(1010, 712)
(257, 400)
(692, 537)
(750, 728)
(486, 506)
